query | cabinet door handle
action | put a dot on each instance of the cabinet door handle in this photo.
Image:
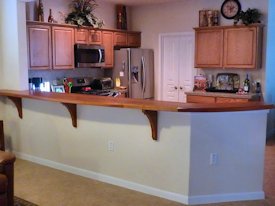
(176, 87)
(181, 88)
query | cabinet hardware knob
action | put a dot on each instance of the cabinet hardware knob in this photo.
(181, 88)
(176, 87)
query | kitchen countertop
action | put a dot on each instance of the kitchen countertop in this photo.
(150, 108)
(251, 96)
(143, 104)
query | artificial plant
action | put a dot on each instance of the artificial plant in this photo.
(250, 16)
(82, 14)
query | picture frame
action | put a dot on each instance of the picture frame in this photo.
(58, 88)
(208, 18)
(203, 18)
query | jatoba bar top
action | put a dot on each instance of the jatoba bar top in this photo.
(149, 107)
(152, 105)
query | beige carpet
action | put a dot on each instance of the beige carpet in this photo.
(20, 202)
(49, 187)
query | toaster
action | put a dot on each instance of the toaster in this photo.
(102, 83)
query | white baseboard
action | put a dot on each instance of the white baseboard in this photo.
(191, 200)
(105, 178)
(217, 198)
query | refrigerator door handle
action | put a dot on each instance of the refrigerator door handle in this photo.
(144, 75)
(141, 73)
(129, 73)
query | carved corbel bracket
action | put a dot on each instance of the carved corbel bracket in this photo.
(18, 103)
(72, 109)
(153, 119)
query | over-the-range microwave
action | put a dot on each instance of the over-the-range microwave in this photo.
(89, 55)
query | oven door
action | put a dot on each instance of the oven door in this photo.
(89, 56)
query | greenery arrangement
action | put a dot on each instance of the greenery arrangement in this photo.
(82, 14)
(249, 16)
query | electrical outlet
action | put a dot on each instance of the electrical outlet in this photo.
(213, 159)
(111, 146)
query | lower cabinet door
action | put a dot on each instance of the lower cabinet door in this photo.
(200, 99)
(229, 100)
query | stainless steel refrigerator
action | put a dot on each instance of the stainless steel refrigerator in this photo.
(135, 68)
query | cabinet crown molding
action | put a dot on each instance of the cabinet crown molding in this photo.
(228, 26)
(75, 26)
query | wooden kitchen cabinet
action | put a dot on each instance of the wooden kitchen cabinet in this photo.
(39, 47)
(230, 100)
(242, 47)
(127, 39)
(209, 48)
(87, 36)
(50, 47)
(63, 47)
(200, 99)
(219, 99)
(107, 42)
(120, 39)
(95, 37)
(134, 39)
(228, 46)
(81, 36)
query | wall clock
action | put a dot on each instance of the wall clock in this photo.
(230, 9)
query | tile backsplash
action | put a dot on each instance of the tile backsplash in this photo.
(50, 75)
(254, 75)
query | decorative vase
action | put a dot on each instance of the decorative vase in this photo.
(121, 17)
(40, 11)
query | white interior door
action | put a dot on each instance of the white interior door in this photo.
(186, 68)
(177, 65)
(169, 58)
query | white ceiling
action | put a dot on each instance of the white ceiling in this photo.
(139, 2)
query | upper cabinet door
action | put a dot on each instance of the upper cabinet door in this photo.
(240, 48)
(107, 41)
(95, 37)
(229, 47)
(39, 46)
(209, 48)
(134, 39)
(120, 39)
(63, 47)
(87, 36)
(81, 36)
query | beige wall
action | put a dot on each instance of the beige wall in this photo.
(182, 16)
(46, 132)
(105, 11)
(13, 46)
(169, 167)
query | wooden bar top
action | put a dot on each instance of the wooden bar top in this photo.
(151, 105)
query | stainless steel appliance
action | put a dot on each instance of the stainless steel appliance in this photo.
(102, 83)
(89, 55)
(99, 87)
(135, 68)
